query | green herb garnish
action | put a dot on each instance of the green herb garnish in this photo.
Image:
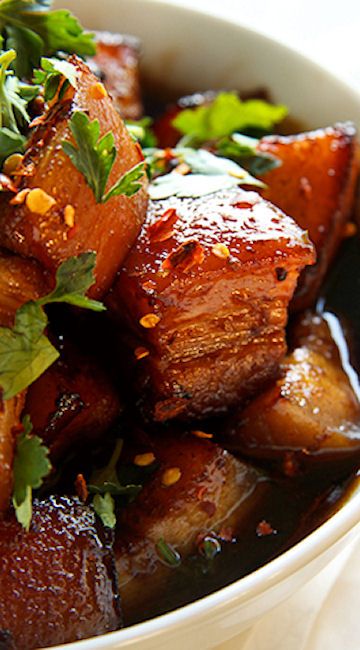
(29, 27)
(31, 466)
(225, 115)
(209, 547)
(141, 131)
(167, 554)
(52, 72)
(244, 150)
(94, 157)
(209, 173)
(104, 507)
(14, 99)
(105, 484)
(25, 351)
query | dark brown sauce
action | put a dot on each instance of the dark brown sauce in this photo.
(294, 507)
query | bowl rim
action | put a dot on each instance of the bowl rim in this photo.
(324, 537)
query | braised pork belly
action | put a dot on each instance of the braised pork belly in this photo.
(315, 184)
(204, 294)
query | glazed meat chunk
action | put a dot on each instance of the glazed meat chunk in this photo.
(117, 62)
(197, 487)
(204, 293)
(62, 218)
(315, 184)
(57, 580)
(311, 410)
(72, 403)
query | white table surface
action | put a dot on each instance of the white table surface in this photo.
(323, 615)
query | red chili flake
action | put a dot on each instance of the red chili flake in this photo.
(37, 121)
(290, 464)
(226, 534)
(243, 205)
(7, 184)
(187, 255)
(139, 150)
(162, 228)
(209, 507)
(81, 488)
(201, 492)
(264, 529)
(72, 232)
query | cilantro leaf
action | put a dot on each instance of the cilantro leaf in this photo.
(210, 174)
(25, 351)
(226, 114)
(106, 479)
(34, 31)
(10, 142)
(141, 131)
(73, 279)
(242, 148)
(129, 183)
(104, 507)
(94, 157)
(31, 466)
(52, 72)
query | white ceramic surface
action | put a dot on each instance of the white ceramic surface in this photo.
(193, 51)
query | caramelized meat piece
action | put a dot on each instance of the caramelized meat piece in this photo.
(67, 220)
(57, 581)
(117, 60)
(20, 281)
(10, 412)
(312, 408)
(197, 487)
(315, 185)
(205, 292)
(73, 402)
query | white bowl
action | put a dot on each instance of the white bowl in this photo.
(190, 50)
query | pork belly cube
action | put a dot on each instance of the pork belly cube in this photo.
(315, 184)
(66, 220)
(204, 295)
(311, 410)
(74, 402)
(57, 580)
(117, 62)
(197, 488)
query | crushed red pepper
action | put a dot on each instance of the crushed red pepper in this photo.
(162, 229)
(187, 255)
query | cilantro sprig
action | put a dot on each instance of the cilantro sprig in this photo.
(31, 466)
(207, 173)
(14, 99)
(52, 73)
(25, 350)
(105, 484)
(225, 115)
(29, 27)
(94, 157)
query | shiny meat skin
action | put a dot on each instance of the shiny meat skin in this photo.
(109, 229)
(21, 280)
(217, 273)
(10, 412)
(117, 60)
(315, 185)
(57, 581)
(214, 491)
(72, 403)
(312, 408)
